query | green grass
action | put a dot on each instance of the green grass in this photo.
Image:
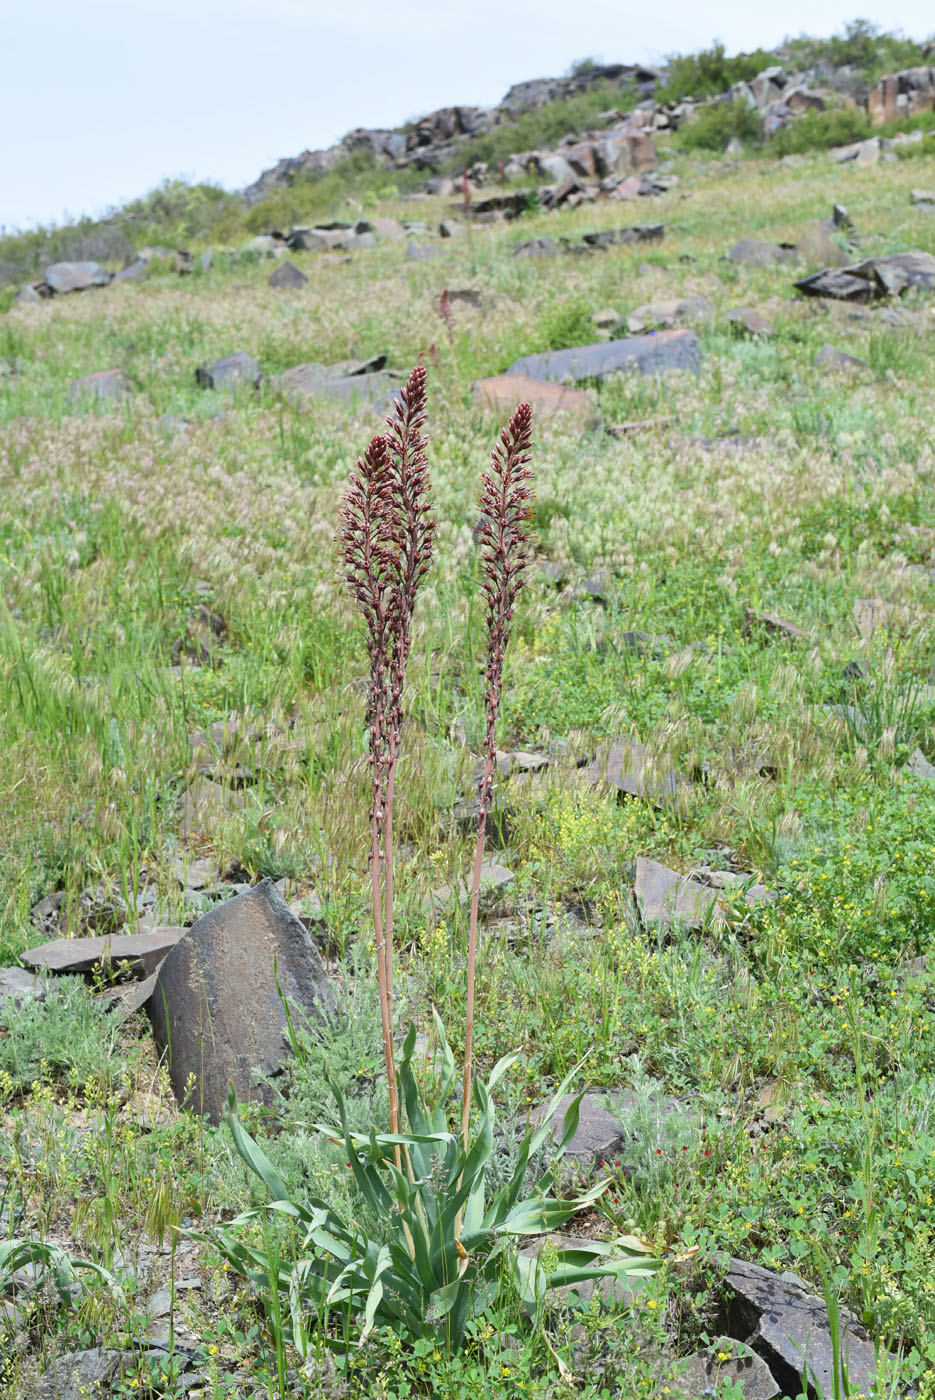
(113, 530)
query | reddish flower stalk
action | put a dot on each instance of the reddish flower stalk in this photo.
(385, 537)
(447, 318)
(505, 502)
(415, 532)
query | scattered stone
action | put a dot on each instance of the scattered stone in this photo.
(598, 1137)
(75, 276)
(419, 252)
(754, 252)
(637, 425)
(495, 881)
(467, 296)
(75, 955)
(918, 766)
(747, 320)
(669, 313)
(216, 1010)
(536, 248)
(104, 385)
(664, 897)
(625, 764)
(17, 986)
(206, 260)
(637, 233)
(870, 615)
(773, 625)
(336, 382)
(606, 319)
(450, 228)
(505, 391)
(817, 248)
(873, 278)
(649, 354)
(204, 803)
(134, 271)
(160, 1304)
(390, 229)
(860, 152)
(126, 998)
(286, 277)
(704, 1374)
(85, 1375)
(789, 1329)
(230, 372)
(27, 296)
(829, 357)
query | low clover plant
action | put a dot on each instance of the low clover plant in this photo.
(442, 1252)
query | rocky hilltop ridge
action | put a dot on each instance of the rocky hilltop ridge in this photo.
(779, 94)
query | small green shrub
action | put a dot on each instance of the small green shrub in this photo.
(67, 1036)
(710, 72)
(819, 131)
(567, 324)
(714, 126)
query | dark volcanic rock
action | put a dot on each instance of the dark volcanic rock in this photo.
(216, 1010)
(650, 354)
(789, 1328)
(75, 276)
(873, 278)
(230, 372)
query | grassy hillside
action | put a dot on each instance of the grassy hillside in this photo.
(798, 1038)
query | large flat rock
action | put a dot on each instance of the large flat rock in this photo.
(75, 276)
(216, 1009)
(627, 765)
(649, 354)
(332, 382)
(663, 896)
(502, 392)
(76, 955)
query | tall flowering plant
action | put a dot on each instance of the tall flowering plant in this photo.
(439, 1260)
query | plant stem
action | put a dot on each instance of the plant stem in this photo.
(472, 952)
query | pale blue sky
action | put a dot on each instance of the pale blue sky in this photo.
(100, 101)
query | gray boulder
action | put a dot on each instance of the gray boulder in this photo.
(287, 277)
(85, 1375)
(625, 764)
(17, 986)
(230, 372)
(75, 276)
(873, 278)
(754, 252)
(664, 897)
(829, 357)
(216, 1010)
(650, 354)
(371, 386)
(788, 1327)
(103, 386)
